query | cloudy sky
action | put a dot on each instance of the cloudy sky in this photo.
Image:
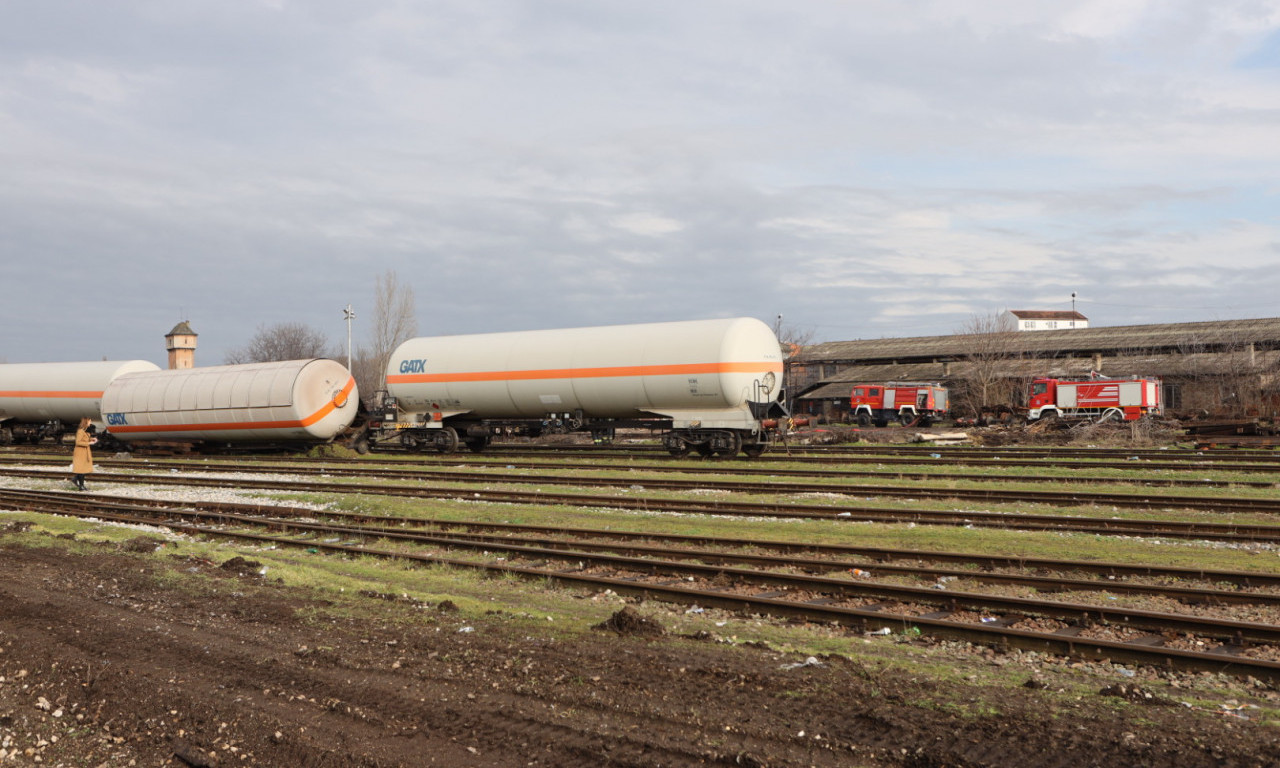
(865, 168)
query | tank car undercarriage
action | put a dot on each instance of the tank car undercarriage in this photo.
(19, 433)
(451, 436)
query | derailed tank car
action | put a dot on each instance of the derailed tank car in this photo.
(39, 400)
(272, 403)
(714, 386)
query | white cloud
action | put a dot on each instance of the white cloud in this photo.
(852, 166)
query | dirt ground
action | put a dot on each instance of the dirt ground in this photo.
(104, 663)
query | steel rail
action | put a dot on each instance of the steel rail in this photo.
(879, 455)
(879, 558)
(921, 451)
(971, 518)
(754, 469)
(1066, 498)
(399, 470)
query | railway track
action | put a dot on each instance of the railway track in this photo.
(752, 470)
(685, 576)
(1259, 462)
(1136, 500)
(1128, 460)
(1199, 530)
(782, 452)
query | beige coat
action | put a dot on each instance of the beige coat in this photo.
(82, 459)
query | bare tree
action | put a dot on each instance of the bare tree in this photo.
(791, 339)
(985, 375)
(393, 321)
(282, 341)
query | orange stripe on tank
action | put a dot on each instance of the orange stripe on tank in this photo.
(324, 410)
(683, 369)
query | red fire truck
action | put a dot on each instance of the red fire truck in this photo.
(910, 404)
(1100, 399)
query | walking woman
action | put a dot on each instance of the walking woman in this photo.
(82, 459)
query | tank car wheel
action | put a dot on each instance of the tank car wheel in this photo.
(477, 444)
(447, 440)
(730, 450)
(755, 450)
(703, 449)
(680, 452)
(410, 442)
(361, 447)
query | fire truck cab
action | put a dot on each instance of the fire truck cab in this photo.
(909, 404)
(1100, 399)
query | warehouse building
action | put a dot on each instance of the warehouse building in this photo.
(1220, 368)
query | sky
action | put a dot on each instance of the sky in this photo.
(863, 168)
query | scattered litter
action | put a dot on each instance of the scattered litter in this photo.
(695, 609)
(882, 631)
(467, 629)
(845, 514)
(1125, 672)
(859, 573)
(1236, 709)
(989, 619)
(935, 455)
(812, 661)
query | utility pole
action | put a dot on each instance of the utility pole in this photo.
(348, 315)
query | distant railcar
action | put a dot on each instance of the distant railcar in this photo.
(714, 386)
(39, 400)
(282, 402)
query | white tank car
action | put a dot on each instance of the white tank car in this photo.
(39, 399)
(713, 379)
(291, 401)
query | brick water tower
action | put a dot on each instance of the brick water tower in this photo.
(181, 343)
